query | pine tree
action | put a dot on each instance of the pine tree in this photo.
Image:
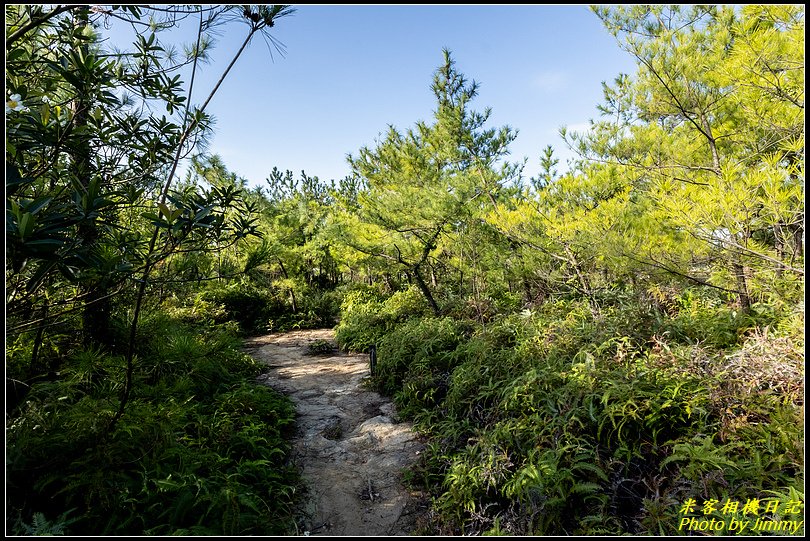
(428, 182)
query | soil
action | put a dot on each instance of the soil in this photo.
(350, 446)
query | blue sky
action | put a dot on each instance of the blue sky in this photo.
(350, 71)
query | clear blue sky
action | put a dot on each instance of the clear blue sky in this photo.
(350, 71)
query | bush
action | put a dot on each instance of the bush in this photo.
(252, 308)
(325, 305)
(257, 309)
(706, 320)
(366, 317)
(415, 361)
(562, 420)
(200, 450)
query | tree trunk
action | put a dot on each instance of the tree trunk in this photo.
(417, 276)
(583, 279)
(742, 286)
(527, 291)
(97, 304)
(35, 364)
(712, 145)
(798, 239)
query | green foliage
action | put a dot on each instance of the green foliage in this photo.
(84, 163)
(323, 304)
(361, 322)
(301, 265)
(200, 449)
(556, 420)
(320, 347)
(246, 304)
(366, 317)
(707, 321)
(40, 525)
(583, 352)
(318, 309)
(415, 360)
(425, 186)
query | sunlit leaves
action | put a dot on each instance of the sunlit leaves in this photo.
(427, 184)
(709, 138)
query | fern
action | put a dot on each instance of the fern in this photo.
(699, 457)
(40, 525)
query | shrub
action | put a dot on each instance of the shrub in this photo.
(415, 361)
(319, 347)
(562, 420)
(706, 320)
(200, 450)
(246, 304)
(361, 322)
(366, 317)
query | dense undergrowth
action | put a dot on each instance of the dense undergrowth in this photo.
(200, 450)
(564, 419)
(256, 307)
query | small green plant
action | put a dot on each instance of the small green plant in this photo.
(40, 525)
(334, 430)
(320, 347)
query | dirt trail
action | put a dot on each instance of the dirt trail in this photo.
(349, 446)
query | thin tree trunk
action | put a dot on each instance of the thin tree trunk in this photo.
(527, 291)
(741, 275)
(742, 286)
(780, 244)
(798, 239)
(98, 306)
(133, 327)
(292, 293)
(38, 340)
(420, 282)
(712, 144)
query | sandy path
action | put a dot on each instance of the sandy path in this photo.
(348, 445)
